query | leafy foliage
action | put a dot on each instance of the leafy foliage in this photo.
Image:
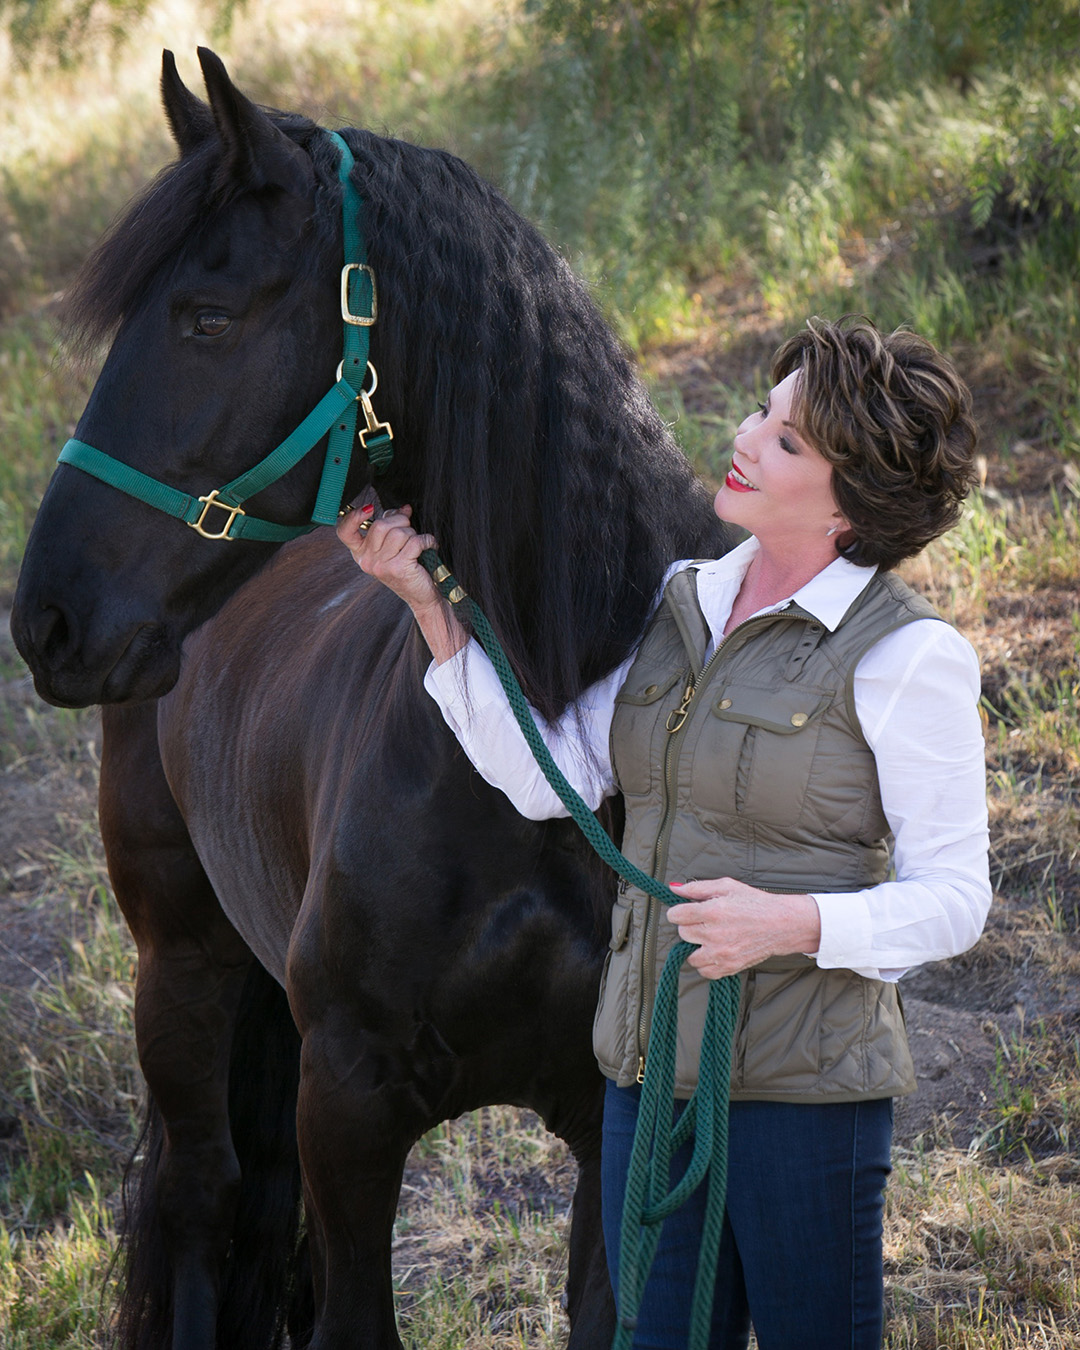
(791, 65)
(62, 31)
(60, 28)
(1029, 160)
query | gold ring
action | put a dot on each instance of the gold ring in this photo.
(365, 525)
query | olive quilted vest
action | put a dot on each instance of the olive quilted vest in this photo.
(753, 765)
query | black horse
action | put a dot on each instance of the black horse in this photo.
(345, 936)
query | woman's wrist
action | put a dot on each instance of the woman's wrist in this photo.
(440, 628)
(801, 924)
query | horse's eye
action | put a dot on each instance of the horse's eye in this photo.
(210, 323)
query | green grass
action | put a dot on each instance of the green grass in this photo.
(40, 399)
(54, 1283)
(1038, 1091)
(70, 1090)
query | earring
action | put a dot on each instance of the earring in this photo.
(831, 530)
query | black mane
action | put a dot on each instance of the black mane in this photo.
(525, 440)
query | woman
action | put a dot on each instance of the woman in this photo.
(790, 706)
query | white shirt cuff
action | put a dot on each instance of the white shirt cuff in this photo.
(847, 933)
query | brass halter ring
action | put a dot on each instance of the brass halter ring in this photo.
(361, 392)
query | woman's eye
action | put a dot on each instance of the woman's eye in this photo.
(763, 408)
(211, 323)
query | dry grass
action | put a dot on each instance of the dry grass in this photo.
(980, 1255)
(480, 1239)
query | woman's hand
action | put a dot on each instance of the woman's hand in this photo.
(389, 549)
(735, 926)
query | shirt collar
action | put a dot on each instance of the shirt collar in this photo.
(827, 596)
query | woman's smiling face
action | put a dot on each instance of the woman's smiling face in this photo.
(779, 487)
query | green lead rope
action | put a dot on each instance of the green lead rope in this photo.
(650, 1197)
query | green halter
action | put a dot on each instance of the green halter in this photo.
(336, 413)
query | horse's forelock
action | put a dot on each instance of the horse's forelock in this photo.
(153, 231)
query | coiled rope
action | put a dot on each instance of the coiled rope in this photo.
(649, 1196)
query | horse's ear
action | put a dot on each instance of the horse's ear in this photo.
(189, 118)
(257, 154)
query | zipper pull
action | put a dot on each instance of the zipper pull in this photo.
(641, 1069)
(678, 715)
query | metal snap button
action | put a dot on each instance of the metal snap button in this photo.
(651, 690)
(724, 703)
(799, 719)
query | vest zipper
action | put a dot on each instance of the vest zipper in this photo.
(676, 722)
(652, 905)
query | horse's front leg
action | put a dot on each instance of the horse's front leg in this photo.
(368, 1090)
(185, 1010)
(589, 1301)
(353, 1151)
(192, 972)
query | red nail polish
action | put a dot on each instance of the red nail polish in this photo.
(368, 510)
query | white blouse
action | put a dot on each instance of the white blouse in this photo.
(916, 697)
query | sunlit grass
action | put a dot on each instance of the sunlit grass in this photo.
(69, 1065)
(480, 1238)
(1000, 546)
(54, 1283)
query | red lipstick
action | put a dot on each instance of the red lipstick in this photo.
(734, 484)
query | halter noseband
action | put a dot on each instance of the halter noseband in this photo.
(335, 413)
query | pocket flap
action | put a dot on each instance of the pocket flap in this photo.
(642, 691)
(784, 710)
(620, 925)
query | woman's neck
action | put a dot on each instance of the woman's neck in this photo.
(772, 577)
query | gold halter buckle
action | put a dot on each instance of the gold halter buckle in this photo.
(211, 500)
(360, 320)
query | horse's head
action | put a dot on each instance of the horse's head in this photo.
(221, 285)
(528, 446)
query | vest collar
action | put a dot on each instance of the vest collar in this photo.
(828, 596)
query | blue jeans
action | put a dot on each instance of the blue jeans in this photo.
(800, 1256)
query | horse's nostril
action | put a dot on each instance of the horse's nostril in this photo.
(50, 632)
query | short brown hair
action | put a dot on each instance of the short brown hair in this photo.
(894, 419)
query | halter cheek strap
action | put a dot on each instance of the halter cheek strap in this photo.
(336, 413)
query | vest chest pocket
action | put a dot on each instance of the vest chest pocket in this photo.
(644, 701)
(755, 751)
